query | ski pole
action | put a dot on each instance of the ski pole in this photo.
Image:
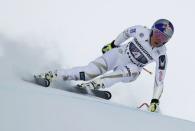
(148, 71)
(146, 104)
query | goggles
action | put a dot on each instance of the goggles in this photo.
(161, 37)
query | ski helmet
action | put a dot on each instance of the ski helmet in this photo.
(163, 29)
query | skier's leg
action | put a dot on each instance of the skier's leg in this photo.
(92, 70)
(95, 68)
(125, 74)
(88, 72)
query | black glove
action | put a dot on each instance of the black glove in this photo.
(154, 105)
(108, 47)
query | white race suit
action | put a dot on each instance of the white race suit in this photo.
(126, 61)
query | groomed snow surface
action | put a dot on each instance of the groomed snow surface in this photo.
(28, 107)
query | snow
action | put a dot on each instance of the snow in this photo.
(31, 108)
(41, 35)
(26, 106)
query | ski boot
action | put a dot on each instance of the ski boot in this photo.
(93, 85)
(45, 79)
(92, 88)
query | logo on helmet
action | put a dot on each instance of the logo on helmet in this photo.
(165, 27)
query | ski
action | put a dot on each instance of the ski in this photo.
(97, 93)
(76, 89)
(41, 81)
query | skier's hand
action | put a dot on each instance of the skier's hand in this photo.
(108, 47)
(154, 105)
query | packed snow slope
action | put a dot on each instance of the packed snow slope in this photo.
(27, 107)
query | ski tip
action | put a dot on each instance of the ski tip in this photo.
(109, 95)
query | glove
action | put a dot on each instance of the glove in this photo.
(154, 105)
(108, 47)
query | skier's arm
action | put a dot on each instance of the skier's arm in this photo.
(122, 37)
(126, 34)
(161, 64)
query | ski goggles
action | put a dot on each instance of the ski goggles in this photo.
(161, 37)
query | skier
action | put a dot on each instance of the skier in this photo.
(125, 60)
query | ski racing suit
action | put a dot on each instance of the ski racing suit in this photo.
(124, 63)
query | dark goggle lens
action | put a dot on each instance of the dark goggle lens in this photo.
(162, 38)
